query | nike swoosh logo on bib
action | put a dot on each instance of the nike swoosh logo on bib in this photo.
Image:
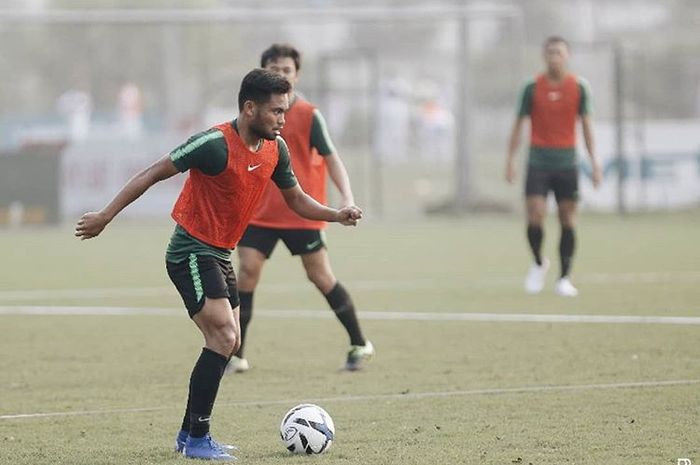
(254, 167)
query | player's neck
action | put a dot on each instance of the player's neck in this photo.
(250, 140)
(556, 76)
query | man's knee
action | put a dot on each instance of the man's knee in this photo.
(535, 221)
(567, 222)
(535, 214)
(322, 279)
(567, 216)
(249, 272)
(236, 344)
(230, 339)
(226, 338)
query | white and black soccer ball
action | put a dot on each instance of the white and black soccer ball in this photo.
(307, 429)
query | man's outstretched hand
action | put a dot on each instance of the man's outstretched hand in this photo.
(90, 225)
(349, 216)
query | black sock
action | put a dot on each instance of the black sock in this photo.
(566, 250)
(204, 384)
(186, 418)
(246, 313)
(534, 237)
(341, 303)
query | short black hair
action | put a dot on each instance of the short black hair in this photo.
(277, 51)
(555, 40)
(259, 85)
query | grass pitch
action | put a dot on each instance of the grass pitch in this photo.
(110, 389)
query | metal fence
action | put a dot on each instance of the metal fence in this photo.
(419, 100)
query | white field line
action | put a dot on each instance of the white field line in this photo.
(370, 315)
(493, 317)
(105, 311)
(278, 288)
(658, 277)
(375, 397)
(373, 285)
(90, 293)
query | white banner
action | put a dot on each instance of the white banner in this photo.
(92, 173)
(661, 171)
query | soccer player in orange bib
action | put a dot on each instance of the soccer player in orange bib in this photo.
(313, 156)
(553, 101)
(229, 168)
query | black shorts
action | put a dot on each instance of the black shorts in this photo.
(564, 183)
(298, 241)
(203, 276)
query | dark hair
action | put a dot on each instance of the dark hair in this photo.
(277, 51)
(555, 40)
(259, 85)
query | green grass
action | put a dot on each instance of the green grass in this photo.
(115, 365)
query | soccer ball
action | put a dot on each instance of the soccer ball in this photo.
(307, 429)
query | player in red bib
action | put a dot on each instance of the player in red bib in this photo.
(313, 157)
(554, 101)
(229, 169)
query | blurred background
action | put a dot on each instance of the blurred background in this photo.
(419, 96)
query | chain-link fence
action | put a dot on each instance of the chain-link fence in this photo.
(419, 101)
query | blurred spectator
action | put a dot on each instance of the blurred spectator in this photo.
(435, 131)
(131, 110)
(434, 123)
(76, 106)
(393, 119)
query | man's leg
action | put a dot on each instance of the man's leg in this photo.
(536, 208)
(219, 325)
(567, 245)
(318, 270)
(251, 262)
(195, 279)
(565, 186)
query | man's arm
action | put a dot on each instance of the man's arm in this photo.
(524, 110)
(321, 141)
(304, 205)
(91, 224)
(339, 176)
(597, 175)
(585, 107)
(513, 145)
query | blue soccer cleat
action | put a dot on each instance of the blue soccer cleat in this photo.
(205, 448)
(180, 440)
(182, 437)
